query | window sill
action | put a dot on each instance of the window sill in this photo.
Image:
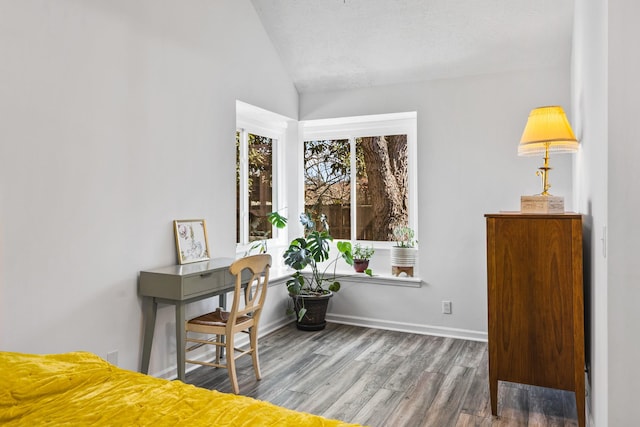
(380, 279)
(280, 275)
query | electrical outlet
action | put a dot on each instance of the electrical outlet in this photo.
(112, 357)
(446, 307)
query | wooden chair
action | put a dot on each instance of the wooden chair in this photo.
(244, 317)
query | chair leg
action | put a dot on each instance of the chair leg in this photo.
(231, 364)
(218, 348)
(253, 338)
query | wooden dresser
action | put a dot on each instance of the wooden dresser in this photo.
(535, 296)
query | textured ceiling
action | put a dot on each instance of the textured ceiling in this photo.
(344, 44)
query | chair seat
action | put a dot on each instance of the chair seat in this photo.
(216, 318)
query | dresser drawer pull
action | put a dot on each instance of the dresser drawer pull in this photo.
(206, 274)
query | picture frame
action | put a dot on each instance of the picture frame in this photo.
(192, 244)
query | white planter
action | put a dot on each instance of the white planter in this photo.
(403, 257)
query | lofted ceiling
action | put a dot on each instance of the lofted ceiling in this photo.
(346, 44)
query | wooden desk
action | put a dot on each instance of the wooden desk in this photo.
(179, 285)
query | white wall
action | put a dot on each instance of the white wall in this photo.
(605, 92)
(468, 134)
(624, 205)
(117, 118)
(589, 93)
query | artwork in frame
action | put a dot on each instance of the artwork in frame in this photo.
(191, 240)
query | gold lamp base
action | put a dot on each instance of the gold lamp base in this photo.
(542, 204)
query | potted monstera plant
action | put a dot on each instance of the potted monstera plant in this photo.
(315, 279)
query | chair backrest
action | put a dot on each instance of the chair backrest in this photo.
(255, 290)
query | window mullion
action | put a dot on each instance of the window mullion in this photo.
(354, 184)
(277, 201)
(244, 186)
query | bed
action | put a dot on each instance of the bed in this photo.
(80, 388)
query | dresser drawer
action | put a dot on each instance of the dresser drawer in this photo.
(194, 285)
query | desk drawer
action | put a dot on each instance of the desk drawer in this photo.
(194, 285)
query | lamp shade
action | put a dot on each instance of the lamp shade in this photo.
(547, 129)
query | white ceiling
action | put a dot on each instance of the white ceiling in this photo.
(344, 44)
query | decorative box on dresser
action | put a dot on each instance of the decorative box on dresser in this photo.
(535, 296)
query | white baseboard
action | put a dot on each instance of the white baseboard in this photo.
(408, 327)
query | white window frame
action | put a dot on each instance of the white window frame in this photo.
(361, 126)
(257, 121)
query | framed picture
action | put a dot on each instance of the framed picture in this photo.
(191, 240)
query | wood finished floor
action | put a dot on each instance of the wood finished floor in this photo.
(384, 378)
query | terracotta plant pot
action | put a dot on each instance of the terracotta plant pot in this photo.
(360, 265)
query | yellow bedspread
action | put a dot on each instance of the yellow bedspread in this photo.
(82, 389)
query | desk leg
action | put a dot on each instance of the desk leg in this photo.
(180, 339)
(150, 310)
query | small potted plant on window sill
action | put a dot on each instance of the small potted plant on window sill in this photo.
(310, 290)
(403, 253)
(361, 257)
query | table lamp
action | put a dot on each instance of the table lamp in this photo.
(547, 130)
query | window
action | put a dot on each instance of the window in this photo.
(258, 136)
(357, 172)
(256, 152)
